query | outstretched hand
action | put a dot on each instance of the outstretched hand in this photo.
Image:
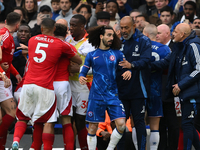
(125, 64)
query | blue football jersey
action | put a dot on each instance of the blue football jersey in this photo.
(104, 64)
(159, 51)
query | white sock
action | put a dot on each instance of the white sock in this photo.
(114, 139)
(154, 139)
(134, 137)
(92, 141)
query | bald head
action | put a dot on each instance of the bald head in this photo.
(150, 31)
(63, 22)
(184, 28)
(127, 19)
(163, 35)
(127, 27)
(164, 27)
(181, 32)
(61, 29)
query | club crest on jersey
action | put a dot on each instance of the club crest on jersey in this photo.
(112, 57)
(90, 114)
(136, 48)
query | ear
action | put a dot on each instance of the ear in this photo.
(134, 26)
(173, 17)
(101, 36)
(83, 27)
(5, 21)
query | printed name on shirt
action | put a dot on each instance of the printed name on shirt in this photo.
(44, 39)
(154, 47)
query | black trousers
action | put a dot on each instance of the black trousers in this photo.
(197, 120)
(169, 128)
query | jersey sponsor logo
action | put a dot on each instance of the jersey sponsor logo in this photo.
(90, 114)
(112, 57)
(95, 57)
(192, 115)
(135, 54)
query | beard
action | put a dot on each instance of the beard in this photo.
(105, 43)
(129, 35)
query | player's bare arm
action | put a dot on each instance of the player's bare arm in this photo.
(76, 59)
(74, 67)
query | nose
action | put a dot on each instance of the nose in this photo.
(122, 30)
(111, 38)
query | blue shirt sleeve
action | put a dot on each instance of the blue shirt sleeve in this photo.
(86, 66)
(19, 52)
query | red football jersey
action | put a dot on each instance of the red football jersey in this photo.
(44, 53)
(62, 73)
(8, 48)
